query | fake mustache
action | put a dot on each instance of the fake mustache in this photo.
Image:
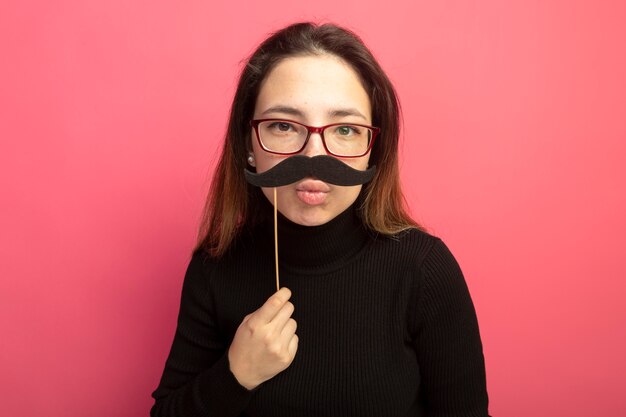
(323, 167)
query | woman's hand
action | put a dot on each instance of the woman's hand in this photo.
(265, 342)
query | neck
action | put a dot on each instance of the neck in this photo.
(316, 248)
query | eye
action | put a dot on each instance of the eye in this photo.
(347, 130)
(281, 126)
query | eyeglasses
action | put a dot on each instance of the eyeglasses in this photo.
(286, 137)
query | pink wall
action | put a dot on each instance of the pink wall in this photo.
(110, 116)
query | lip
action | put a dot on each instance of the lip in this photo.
(313, 186)
(312, 192)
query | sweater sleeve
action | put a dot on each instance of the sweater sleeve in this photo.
(197, 380)
(447, 340)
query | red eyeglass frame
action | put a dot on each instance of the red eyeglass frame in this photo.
(254, 123)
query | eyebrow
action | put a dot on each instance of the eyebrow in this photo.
(284, 109)
(333, 113)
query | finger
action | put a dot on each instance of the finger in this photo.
(289, 330)
(272, 306)
(293, 345)
(281, 318)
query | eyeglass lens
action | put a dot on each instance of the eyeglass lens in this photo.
(283, 136)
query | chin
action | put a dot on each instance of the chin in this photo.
(315, 218)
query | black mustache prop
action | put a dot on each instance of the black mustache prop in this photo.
(323, 167)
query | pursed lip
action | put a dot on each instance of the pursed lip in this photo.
(313, 186)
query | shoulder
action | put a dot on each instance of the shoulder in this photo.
(201, 264)
(245, 242)
(199, 272)
(413, 245)
(441, 284)
(429, 265)
(440, 296)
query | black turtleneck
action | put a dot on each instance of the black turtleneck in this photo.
(386, 327)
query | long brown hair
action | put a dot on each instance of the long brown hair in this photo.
(232, 203)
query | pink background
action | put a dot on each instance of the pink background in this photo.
(111, 114)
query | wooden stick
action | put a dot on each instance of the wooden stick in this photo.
(276, 239)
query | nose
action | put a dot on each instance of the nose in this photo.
(315, 146)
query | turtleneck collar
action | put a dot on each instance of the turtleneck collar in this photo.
(318, 248)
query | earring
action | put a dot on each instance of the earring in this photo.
(251, 160)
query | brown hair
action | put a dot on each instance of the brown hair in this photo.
(232, 203)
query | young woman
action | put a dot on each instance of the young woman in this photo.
(374, 317)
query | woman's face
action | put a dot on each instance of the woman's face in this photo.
(316, 91)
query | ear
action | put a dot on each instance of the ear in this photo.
(251, 160)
